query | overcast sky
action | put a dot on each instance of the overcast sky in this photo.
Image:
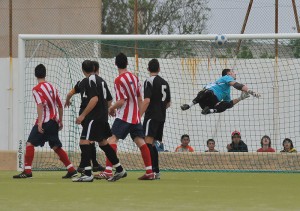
(227, 16)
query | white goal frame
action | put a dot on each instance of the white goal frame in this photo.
(22, 65)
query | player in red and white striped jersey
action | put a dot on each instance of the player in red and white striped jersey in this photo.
(47, 125)
(44, 93)
(128, 101)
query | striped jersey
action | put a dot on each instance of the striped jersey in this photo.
(46, 94)
(128, 88)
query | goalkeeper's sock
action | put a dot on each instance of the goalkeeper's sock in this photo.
(28, 159)
(191, 104)
(64, 158)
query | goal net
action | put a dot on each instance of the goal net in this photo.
(188, 63)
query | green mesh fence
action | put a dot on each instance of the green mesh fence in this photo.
(187, 66)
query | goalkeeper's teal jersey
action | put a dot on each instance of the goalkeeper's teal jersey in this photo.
(221, 88)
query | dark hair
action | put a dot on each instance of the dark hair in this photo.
(40, 71)
(185, 135)
(288, 140)
(121, 61)
(225, 71)
(88, 66)
(96, 66)
(209, 140)
(153, 66)
(267, 137)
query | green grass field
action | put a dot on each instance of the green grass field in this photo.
(175, 191)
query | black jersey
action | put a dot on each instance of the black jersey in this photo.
(91, 87)
(158, 90)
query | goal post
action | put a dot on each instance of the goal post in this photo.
(187, 62)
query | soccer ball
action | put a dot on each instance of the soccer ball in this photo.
(220, 39)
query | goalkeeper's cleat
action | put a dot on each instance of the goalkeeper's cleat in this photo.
(98, 168)
(117, 176)
(185, 107)
(84, 178)
(103, 175)
(70, 175)
(205, 111)
(23, 175)
(150, 176)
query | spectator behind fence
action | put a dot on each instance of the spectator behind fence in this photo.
(184, 147)
(288, 146)
(211, 145)
(237, 145)
(265, 143)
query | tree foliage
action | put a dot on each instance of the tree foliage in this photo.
(155, 16)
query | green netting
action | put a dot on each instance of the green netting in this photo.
(187, 66)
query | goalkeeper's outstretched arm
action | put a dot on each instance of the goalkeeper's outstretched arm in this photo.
(244, 88)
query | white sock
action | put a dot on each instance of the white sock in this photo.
(191, 104)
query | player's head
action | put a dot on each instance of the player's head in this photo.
(211, 144)
(96, 67)
(185, 140)
(40, 71)
(153, 66)
(121, 61)
(88, 66)
(229, 72)
(236, 137)
(265, 140)
(287, 143)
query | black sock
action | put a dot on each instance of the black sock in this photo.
(94, 155)
(112, 157)
(151, 154)
(155, 165)
(86, 159)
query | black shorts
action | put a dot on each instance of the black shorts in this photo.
(207, 98)
(153, 128)
(95, 130)
(50, 135)
(121, 129)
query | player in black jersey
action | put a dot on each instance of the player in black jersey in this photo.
(94, 91)
(76, 90)
(157, 99)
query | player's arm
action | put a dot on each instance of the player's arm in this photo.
(121, 97)
(91, 105)
(144, 106)
(117, 105)
(243, 88)
(69, 96)
(40, 109)
(60, 111)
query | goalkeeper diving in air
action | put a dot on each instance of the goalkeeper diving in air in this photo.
(215, 97)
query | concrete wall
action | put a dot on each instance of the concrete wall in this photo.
(48, 17)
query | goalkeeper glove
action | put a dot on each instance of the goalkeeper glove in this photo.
(244, 95)
(254, 94)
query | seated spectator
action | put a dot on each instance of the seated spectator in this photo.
(265, 143)
(288, 146)
(184, 147)
(160, 146)
(237, 145)
(211, 145)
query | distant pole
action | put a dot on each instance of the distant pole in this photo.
(136, 32)
(276, 86)
(10, 107)
(100, 16)
(296, 16)
(244, 26)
